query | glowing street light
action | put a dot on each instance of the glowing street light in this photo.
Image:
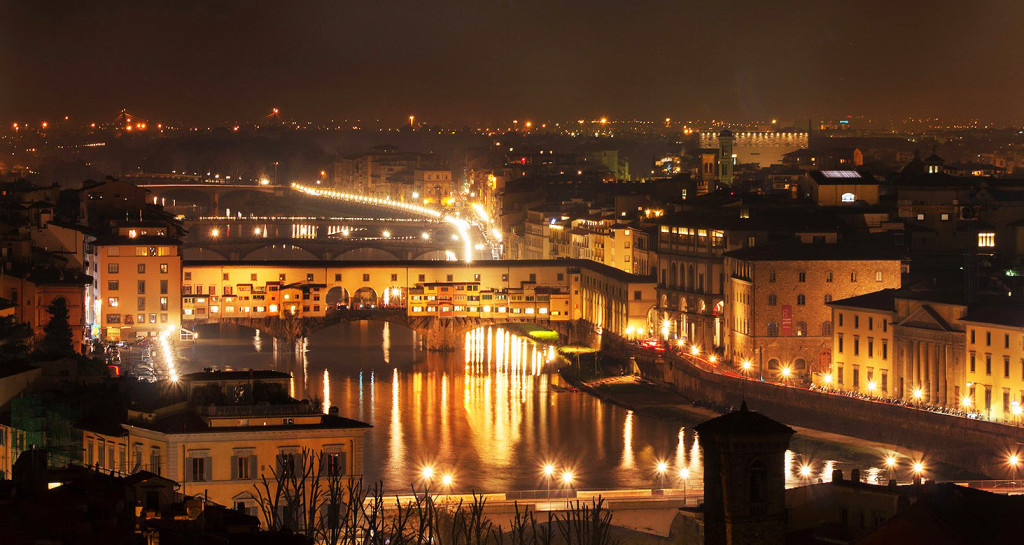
(917, 468)
(386, 234)
(827, 379)
(695, 350)
(747, 365)
(890, 462)
(1013, 460)
(786, 371)
(214, 233)
(549, 472)
(965, 401)
(447, 480)
(872, 386)
(918, 394)
(567, 477)
(805, 471)
(425, 235)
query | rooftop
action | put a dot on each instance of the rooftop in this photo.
(743, 422)
(878, 300)
(794, 250)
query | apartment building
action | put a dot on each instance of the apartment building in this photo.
(220, 451)
(136, 288)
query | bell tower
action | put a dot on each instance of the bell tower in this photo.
(744, 478)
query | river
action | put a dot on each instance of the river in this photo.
(491, 414)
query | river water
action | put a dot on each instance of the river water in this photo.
(491, 414)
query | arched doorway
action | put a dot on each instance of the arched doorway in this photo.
(365, 297)
(393, 296)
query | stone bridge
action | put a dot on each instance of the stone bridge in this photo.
(436, 333)
(203, 198)
(327, 249)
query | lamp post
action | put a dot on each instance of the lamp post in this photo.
(567, 482)
(918, 469)
(549, 471)
(890, 462)
(684, 474)
(1013, 460)
(426, 474)
(660, 470)
(786, 371)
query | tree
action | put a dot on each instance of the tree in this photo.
(56, 339)
(13, 337)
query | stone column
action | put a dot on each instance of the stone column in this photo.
(933, 363)
(908, 370)
(943, 362)
(916, 354)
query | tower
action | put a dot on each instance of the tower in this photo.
(744, 478)
(725, 147)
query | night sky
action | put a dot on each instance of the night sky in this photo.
(479, 60)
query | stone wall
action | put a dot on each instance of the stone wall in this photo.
(975, 445)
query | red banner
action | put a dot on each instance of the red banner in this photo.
(787, 320)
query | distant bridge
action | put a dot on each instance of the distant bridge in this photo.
(204, 198)
(319, 238)
(438, 334)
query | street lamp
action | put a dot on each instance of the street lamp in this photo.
(786, 371)
(567, 482)
(890, 462)
(918, 469)
(549, 471)
(426, 474)
(446, 481)
(805, 471)
(695, 350)
(918, 394)
(661, 468)
(684, 474)
(1013, 460)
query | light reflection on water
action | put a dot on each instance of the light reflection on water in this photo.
(509, 414)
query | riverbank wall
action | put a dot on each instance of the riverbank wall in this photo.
(975, 445)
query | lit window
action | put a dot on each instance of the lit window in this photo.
(849, 197)
(986, 240)
(272, 308)
(215, 308)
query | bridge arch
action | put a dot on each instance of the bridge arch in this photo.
(281, 251)
(431, 255)
(364, 297)
(337, 296)
(366, 253)
(393, 296)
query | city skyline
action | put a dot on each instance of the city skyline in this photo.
(469, 62)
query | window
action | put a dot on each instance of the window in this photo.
(973, 358)
(772, 300)
(856, 321)
(885, 381)
(152, 318)
(366, 278)
(839, 340)
(226, 276)
(853, 276)
(561, 277)
(986, 240)
(112, 268)
(840, 319)
(871, 323)
(885, 350)
(142, 268)
(112, 301)
(988, 338)
(848, 197)
(871, 347)
(773, 329)
(113, 318)
(164, 268)
(856, 376)
(281, 277)
(422, 278)
(451, 277)
(771, 275)
(337, 277)
(141, 304)
(394, 278)
(504, 277)
(252, 277)
(802, 277)
(188, 275)
(637, 295)
(828, 298)
(287, 464)
(336, 463)
(826, 329)
(920, 217)
(163, 303)
(839, 374)
(197, 467)
(828, 276)
(878, 276)
(1006, 366)
(1006, 341)
(533, 277)
(163, 287)
(801, 329)
(972, 336)
(944, 217)
(856, 345)
(243, 466)
(800, 299)
(141, 286)
(988, 364)
(112, 285)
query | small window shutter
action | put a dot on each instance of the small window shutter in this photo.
(324, 460)
(234, 468)
(188, 469)
(342, 463)
(252, 467)
(208, 469)
(299, 459)
(280, 464)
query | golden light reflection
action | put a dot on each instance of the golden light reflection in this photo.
(327, 391)
(681, 448)
(397, 444)
(628, 460)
